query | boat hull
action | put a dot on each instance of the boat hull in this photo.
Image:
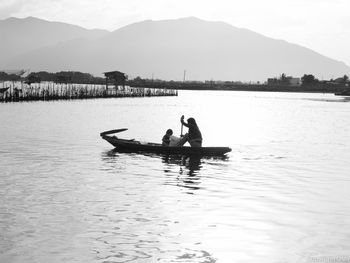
(136, 146)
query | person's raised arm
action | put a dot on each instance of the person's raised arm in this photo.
(183, 122)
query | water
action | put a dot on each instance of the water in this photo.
(281, 195)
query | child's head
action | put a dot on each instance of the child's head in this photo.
(169, 132)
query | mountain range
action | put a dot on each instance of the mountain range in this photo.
(162, 49)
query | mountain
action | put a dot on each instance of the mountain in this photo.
(20, 36)
(206, 50)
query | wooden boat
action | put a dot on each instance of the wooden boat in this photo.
(137, 146)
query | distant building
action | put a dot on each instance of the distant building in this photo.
(272, 81)
(116, 78)
(294, 81)
(286, 81)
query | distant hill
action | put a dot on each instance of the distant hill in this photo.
(20, 36)
(206, 50)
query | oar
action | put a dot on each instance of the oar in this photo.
(182, 126)
(112, 131)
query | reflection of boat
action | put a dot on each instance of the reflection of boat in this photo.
(137, 146)
(192, 163)
(343, 93)
(179, 170)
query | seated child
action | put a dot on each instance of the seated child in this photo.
(166, 137)
(170, 140)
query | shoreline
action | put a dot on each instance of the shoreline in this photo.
(244, 87)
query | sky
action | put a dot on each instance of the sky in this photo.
(321, 25)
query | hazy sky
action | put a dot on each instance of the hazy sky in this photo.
(322, 25)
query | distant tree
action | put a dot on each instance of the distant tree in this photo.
(9, 77)
(14, 77)
(76, 77)
(32, 78)
(138, 80)
(3, 76)
(45, 76)
(308, 79)
(345, 79)
(62, 79)
(283, 78)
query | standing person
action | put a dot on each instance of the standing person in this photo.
(194, 134)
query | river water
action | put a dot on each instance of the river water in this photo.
(281, 195)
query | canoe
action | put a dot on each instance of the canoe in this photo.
(137, 146)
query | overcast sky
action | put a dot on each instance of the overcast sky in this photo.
(322, 25)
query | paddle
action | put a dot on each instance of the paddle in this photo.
(182, 126)
(112, 131)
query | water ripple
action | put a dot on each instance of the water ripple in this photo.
(281, 195)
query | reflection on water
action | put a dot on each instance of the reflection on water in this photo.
(144, 226)
(188, 171)
(188, 164)
(341, 99)
(181, 170)
(281, 196)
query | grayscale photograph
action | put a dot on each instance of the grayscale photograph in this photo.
(174, 131)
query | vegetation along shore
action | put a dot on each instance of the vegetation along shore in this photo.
(71, 85)
(18, 86)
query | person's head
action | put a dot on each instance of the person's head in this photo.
(191, 121)
(169, 132)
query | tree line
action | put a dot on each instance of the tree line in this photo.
(86, 78)
(309, 79)
(58, 77)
